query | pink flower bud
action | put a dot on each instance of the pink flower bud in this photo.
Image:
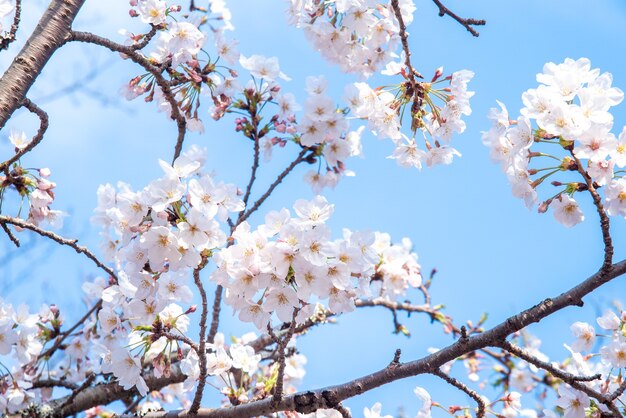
(280, 128)
(133, 13)
(44, 172)
(438, 73)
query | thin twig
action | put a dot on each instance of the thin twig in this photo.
(12, 237)
(146, 39)
(480, 413)
(404, 38)
(619, 391)
(276, 182)
(605, 224)
(467, 23)
(215, 321)
(571, 379)
(201, 350)
(59, 239)
(565, 376)
(49, 352)
(152, 69)
(255, 166)
(43, 126)
(282, 344)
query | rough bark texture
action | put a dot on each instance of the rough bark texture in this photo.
(52, 31)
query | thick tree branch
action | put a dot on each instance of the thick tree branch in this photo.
(52, 31)
(106, 393)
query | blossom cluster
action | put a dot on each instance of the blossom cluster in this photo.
(33, 185)
(360, 36)
(570, 108)
(384, 108)
(156, 236)
(289, 264)
(179, 42)
(21, 336)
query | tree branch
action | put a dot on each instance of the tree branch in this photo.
(43, 126)
(462, 387)
(52, 32)
(604, 218)
(572, 380)
(59, 239)
(197, 399)
(467, 23)
(156, 72)
(245, 215)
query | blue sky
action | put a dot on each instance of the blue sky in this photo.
(492, 254)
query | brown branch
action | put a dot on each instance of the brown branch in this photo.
(619, 391)
(282, 344)
(12, 237)
(59, 239)
(255, 166)
(52, 32)
(215, 321)
(605, 224)
(345, 412)
(43, 126)
(396, 306)
(404, 38)
(78, 390)
(565, 376)
(245, 215)
(10, 37)
(201, 350)
(146, 39)
(480, 413)
(572, 380)
(156, 72)
(103, 394)
(467, 23)
(51, 383)
(57, 344)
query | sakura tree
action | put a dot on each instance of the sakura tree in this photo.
(189, 245)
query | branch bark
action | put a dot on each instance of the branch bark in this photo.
(51, 33)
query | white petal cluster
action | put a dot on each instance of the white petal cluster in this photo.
(289, 264)
(571, 112)
(156, 236)
(382, 109)
(21, 336)
(361, 36)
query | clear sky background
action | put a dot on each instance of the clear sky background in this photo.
(492, 254)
